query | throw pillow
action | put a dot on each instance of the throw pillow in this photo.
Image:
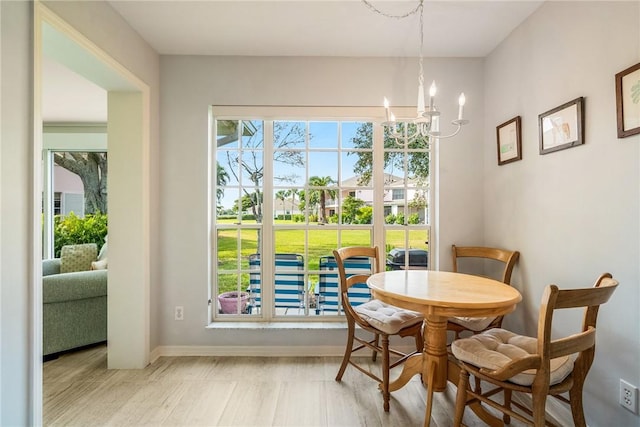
(77, 257)
(103, 250)
(101, 264)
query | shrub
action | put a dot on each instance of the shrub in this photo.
(414, 218)
(313, 218)
(400, 218)
(364, 215)
(390, 219)
(72, 230)
(333, 219)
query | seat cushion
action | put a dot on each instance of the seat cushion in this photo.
(387, 318)
(475, 324)
(496, 348)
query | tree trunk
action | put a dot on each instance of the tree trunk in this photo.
(92, 168)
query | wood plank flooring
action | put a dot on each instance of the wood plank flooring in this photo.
(229, 391)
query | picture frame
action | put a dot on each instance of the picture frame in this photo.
(509, 140)
(628, 101)
(562, 127)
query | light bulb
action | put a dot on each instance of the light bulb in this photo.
(432, 89)
(461, 102)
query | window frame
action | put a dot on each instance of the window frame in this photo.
(270, 114)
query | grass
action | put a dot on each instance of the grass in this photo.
(320, 243)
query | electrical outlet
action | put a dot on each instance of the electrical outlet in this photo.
(628, 396)
(179, 313)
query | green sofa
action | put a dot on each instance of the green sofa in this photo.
(74, 308)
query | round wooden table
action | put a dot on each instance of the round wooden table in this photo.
(439, 295)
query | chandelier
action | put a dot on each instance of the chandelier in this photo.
(427, 121)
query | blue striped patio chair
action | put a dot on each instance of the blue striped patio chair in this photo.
(289, 285)
(328, 299)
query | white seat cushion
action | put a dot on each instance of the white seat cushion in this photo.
(496, 348)
(385, 317)
(475, 324)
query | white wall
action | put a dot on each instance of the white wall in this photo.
(573, 214)
(15, 201)
(190, 84)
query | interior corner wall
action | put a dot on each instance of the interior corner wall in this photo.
(16, 138)
(573, 214)
(191, 84)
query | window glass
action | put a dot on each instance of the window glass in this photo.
(290, 192)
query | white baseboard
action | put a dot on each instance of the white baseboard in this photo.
(264, 351)
(255, 351)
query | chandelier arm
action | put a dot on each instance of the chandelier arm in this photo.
(438, 136)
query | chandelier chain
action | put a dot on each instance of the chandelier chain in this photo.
(388, 15)
(427, 121)
(419, 8)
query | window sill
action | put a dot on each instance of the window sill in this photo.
(300, 326)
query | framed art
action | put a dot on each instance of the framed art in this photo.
(628, 101)
(509, 141)
(562, 127)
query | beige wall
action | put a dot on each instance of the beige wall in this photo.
(190, 84)
(573, 214)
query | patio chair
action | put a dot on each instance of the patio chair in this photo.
(328, 298)
(288, 286)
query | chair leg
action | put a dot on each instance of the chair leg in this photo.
(385, 371)
(538, 407)
(461, 397)
(376, 341)
(575, 399)
(347, 351)
(507, 402)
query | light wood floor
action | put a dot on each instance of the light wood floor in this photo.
(229, 391)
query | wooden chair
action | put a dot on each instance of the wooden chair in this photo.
(539, 366)
(374, 317)
(503, 256)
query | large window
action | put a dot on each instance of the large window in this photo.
(288, 192)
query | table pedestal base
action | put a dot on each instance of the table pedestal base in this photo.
(436, 369)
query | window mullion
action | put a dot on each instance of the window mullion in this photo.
(268, 245)
(378, 185)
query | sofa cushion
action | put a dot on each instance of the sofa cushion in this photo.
(74, 286)
(77, 257)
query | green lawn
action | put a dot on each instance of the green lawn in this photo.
(321, 243)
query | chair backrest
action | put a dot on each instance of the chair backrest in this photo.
(509, 258)
(288, 285)
(582, 342)
(329, 298)
(351, 281)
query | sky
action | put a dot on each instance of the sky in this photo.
(323, 156)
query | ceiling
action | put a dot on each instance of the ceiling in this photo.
(291, 28)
